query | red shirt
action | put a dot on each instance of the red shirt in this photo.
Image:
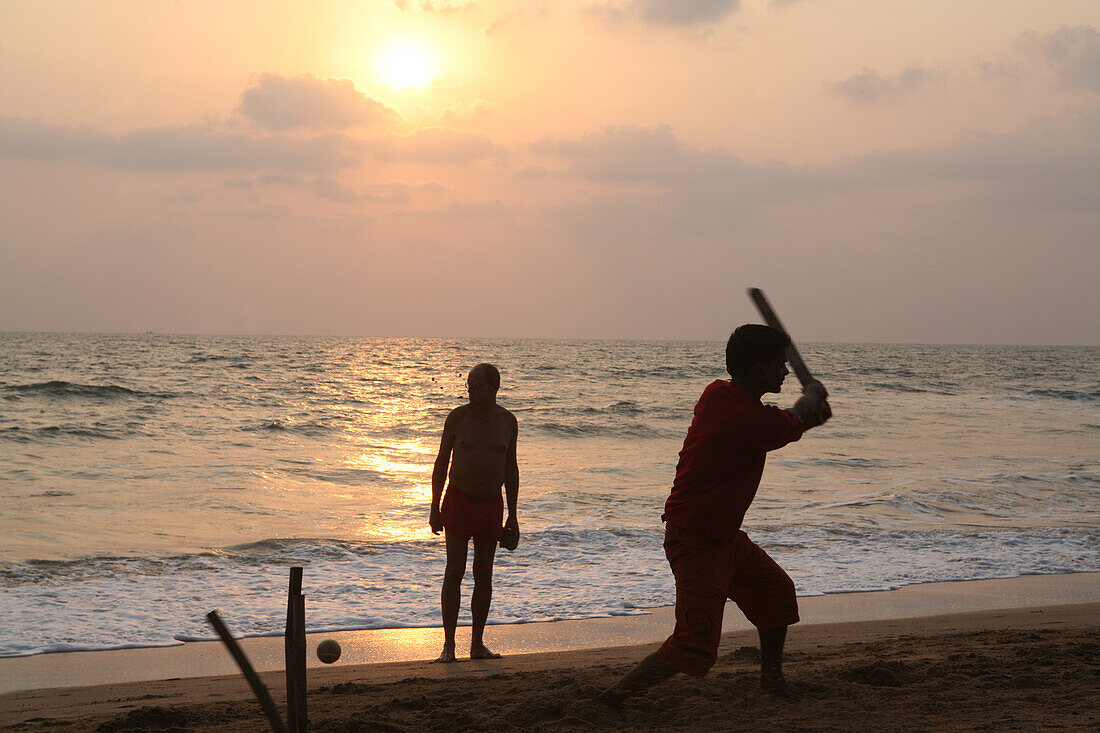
(723, 458)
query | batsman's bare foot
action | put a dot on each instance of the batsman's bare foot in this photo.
(447, 657)
(601, 711)
(609, 703)
(482, 652)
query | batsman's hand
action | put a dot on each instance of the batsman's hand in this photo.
(815, 389)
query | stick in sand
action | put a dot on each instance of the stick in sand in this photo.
(294, 643)
(258, 688)
(772, 320)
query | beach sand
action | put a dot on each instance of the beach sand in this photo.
(1034, 668)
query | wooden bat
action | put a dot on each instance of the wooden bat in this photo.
(772, 320)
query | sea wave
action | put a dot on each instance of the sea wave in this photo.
(1072, 395)
(204, 358)
(307, 427)
(587, 429)
(58, 388)
(904, 388)
(558, 573)
(842, 462)
(19, 434)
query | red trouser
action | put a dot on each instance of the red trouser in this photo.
(708, 572)
(472, 516)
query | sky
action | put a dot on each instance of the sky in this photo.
(886, 170)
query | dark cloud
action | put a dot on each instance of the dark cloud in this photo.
(684, 12)
(185, 147)
(670, 12)
(284, 103)
(435, 145)
(1074, 53)
(870, 87)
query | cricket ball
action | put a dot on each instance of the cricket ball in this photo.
(328, 651)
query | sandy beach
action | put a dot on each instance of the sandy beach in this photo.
(1027, 668)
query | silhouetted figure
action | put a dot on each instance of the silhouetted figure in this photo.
(716, 480)
(479, 445)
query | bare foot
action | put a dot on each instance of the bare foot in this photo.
(775, 685)
(447, 657)
(610, 704)
(599, 712)
(482, 652)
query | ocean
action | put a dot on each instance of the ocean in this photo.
(147, 479)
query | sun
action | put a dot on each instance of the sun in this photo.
(406, 63)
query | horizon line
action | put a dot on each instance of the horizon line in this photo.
(522, 338)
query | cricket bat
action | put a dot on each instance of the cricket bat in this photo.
(772, 320)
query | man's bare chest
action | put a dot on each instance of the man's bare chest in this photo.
(482, 433)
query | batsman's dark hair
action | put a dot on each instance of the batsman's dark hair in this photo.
(752, 344)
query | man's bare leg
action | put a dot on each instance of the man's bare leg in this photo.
(484, 552)
(450, 596)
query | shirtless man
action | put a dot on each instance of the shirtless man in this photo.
(479, 444)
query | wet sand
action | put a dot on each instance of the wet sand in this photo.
(1031, 668)
(205, 659)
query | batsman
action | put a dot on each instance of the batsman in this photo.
(717, 476)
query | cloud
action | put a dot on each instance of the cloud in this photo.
(478, 109)
(206, 147)
(184, 147)
(685, 12)
(671, 12)
(438, 7)
(186, 196)
(1073, 52)
(1052, 165)
(654, 155)
(22, 138)
(518, 15)
(283, 103)
(333, 190)
(435, 145)
(870, 87)
(279, 178)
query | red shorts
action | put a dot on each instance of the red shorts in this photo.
(472, 516)
(708, 572)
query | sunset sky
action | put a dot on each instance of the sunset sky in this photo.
(885, 170)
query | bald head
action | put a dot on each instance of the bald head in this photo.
(482, 384)
(485, 373)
